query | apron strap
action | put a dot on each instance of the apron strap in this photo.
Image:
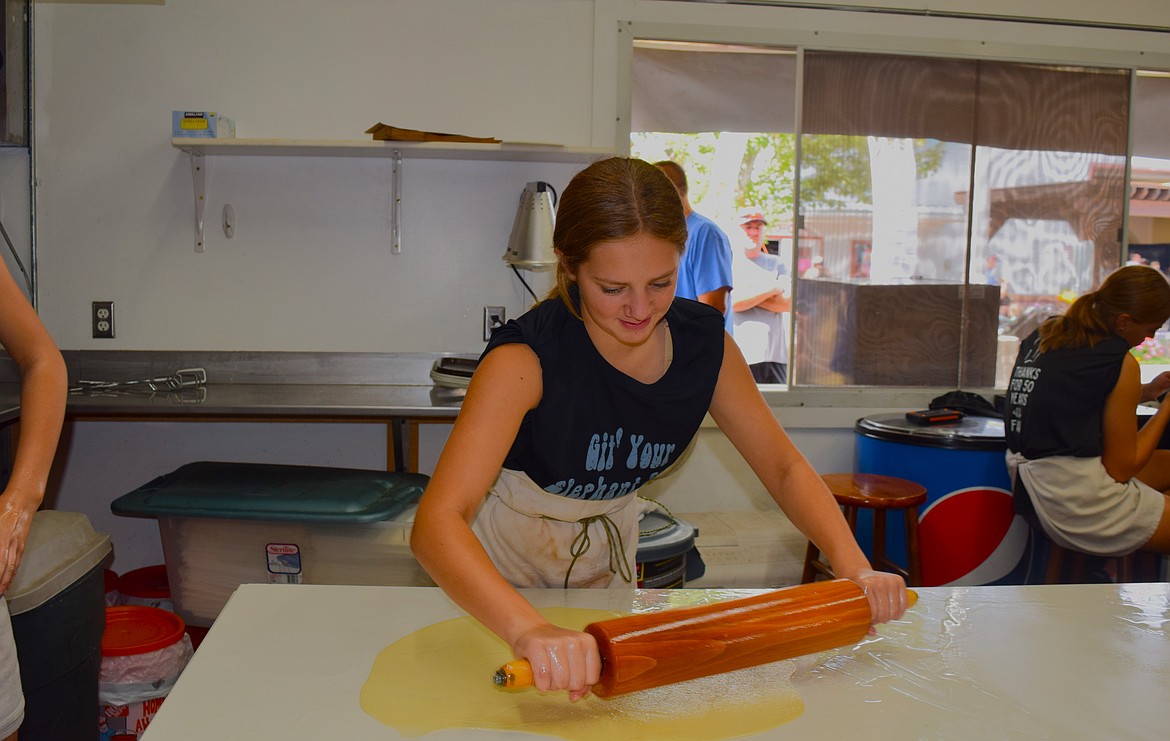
(617, 550)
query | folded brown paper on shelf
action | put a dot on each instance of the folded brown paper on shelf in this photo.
(385, 132)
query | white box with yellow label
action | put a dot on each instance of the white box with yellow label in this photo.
(202, 125)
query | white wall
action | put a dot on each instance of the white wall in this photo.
(14, 212)
(309, 267)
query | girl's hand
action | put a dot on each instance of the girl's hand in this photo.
(886, 594)
(15, 522)
(561, 659)
(1159, 385)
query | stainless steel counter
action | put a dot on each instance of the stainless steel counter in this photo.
(9, 401)
(393, 387)
(260, 384)
(263, 400)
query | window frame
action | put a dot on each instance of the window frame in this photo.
(823, 30)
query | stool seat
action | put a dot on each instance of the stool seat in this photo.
(879, 493)
(874, 491)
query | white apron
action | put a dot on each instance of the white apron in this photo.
(567, 542)
(1081, 507)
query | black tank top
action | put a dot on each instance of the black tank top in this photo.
(1056, 400)
(597, 433)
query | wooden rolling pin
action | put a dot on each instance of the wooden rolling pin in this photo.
(658, 648)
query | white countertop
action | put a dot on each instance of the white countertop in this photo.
(1061, 662)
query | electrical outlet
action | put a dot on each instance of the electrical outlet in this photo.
(493, 316)
(103, 320)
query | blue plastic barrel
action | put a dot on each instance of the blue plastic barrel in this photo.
(968, 534)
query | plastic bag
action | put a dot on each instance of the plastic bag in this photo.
(138, 677)
(967, 403)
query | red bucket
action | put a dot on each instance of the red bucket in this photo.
(144, 649)
(148, 587)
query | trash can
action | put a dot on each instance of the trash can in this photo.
(112, 596)
(57, 603)
(968, 533)
(666, 557)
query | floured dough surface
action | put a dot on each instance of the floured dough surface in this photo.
(440, 677)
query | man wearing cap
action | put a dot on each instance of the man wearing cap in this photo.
(704, 273)
(761, 301)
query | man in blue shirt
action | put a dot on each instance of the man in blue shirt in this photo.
(704, 273)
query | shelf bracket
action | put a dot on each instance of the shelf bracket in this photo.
(396, 204)
(199, 176)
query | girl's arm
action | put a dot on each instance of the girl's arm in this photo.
(1126, 449)
(42, 409)
(505, 386)
(742, 414)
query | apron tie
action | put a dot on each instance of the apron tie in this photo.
(617, 550)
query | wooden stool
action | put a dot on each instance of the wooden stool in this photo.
(1068, 566)
(854, 491)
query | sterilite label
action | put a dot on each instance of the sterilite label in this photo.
(284, 563)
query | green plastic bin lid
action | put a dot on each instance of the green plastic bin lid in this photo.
(61, 548)
(265, 491)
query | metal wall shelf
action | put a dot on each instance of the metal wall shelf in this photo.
(199, 149)
(516, 152)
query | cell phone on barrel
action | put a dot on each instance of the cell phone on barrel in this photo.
(934, 416)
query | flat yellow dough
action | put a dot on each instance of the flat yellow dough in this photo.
(440, 677)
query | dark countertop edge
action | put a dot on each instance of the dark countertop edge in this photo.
(253, 384)
(273, 400)
(322, 401)
(236, 366)
(9, 403)
(265, 367)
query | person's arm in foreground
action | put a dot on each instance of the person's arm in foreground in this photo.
(506, 384)
(741, 412)
(42, 409)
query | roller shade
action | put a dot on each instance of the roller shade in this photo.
(1003, 105)
(698, 91)
(1151, 117)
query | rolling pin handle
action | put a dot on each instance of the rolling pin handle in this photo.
(514, 675)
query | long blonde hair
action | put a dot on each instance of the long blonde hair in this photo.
(613, 199)
(1137, 290)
